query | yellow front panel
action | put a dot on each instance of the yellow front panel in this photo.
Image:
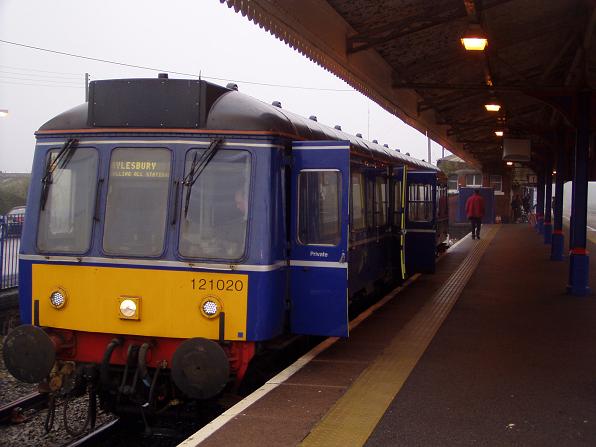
(169, 300)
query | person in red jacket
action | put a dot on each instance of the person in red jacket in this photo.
(475, 212)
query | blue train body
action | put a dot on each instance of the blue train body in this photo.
(161, 224)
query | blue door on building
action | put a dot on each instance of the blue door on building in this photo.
(488, 194)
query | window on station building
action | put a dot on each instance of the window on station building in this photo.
(357, 201)
(496, 182)
(420, 204)
(452, 182)
(319, 207)
(473, 179)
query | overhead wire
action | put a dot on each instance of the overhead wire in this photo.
(162, 70)
(40, 85)
(3, 76)
(36, 69)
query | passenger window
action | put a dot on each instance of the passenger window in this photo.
(215, 223)
(396, 202)
(66, 220)
(420, 205)
(319, 198)
(441, 208)
(380, 202)
(357, 201)
(137, 202)
(370, 193)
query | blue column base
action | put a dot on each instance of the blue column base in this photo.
(579, 268)
(541, 226)
(557, 246)
(548, 232)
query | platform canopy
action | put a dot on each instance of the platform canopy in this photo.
(407, 56)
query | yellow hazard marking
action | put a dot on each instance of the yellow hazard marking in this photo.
(354, 417)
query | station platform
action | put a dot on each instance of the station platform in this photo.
(489, 350)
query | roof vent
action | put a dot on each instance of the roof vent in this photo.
(359, 135)
(162, 76)
(408, 154)
(386, 145)
(312, 117)
(398, 150)
(337, 127)
(232, 86)
(276, 104)
(375, 141)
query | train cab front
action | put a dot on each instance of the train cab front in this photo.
(137, 271)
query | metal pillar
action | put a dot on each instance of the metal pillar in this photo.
(540, 204)
(548, 196)
(558, 238)
(579, 261)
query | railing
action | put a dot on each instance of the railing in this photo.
(11, 227)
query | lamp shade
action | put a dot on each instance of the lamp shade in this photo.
(474, 39)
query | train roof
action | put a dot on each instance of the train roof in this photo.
(189, 104)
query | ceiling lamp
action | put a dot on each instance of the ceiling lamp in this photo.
(499, 133)
(492, 105)
(474, 39)
(509, 163)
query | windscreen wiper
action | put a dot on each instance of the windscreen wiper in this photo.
(197, 167)
(61, 161)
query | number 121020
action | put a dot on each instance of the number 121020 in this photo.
(229, 285)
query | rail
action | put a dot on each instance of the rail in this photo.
(11, 227)
(34, 400)
(97, 436)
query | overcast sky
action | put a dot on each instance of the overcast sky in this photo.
(187, 36)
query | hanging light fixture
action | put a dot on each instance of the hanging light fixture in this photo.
(474, 39)
(492, 107)
(499, 133)
(509, 163)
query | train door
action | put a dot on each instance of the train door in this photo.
(319, 237)
(398, 200)
(420, 233)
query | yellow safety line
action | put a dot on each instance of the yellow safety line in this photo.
(354, 417)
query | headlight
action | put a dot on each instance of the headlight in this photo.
(210, 307)
(129, 308)
(58, 299)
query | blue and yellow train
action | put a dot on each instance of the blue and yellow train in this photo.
(174, 228)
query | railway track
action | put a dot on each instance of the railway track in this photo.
(12, 412)
(95, 437)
